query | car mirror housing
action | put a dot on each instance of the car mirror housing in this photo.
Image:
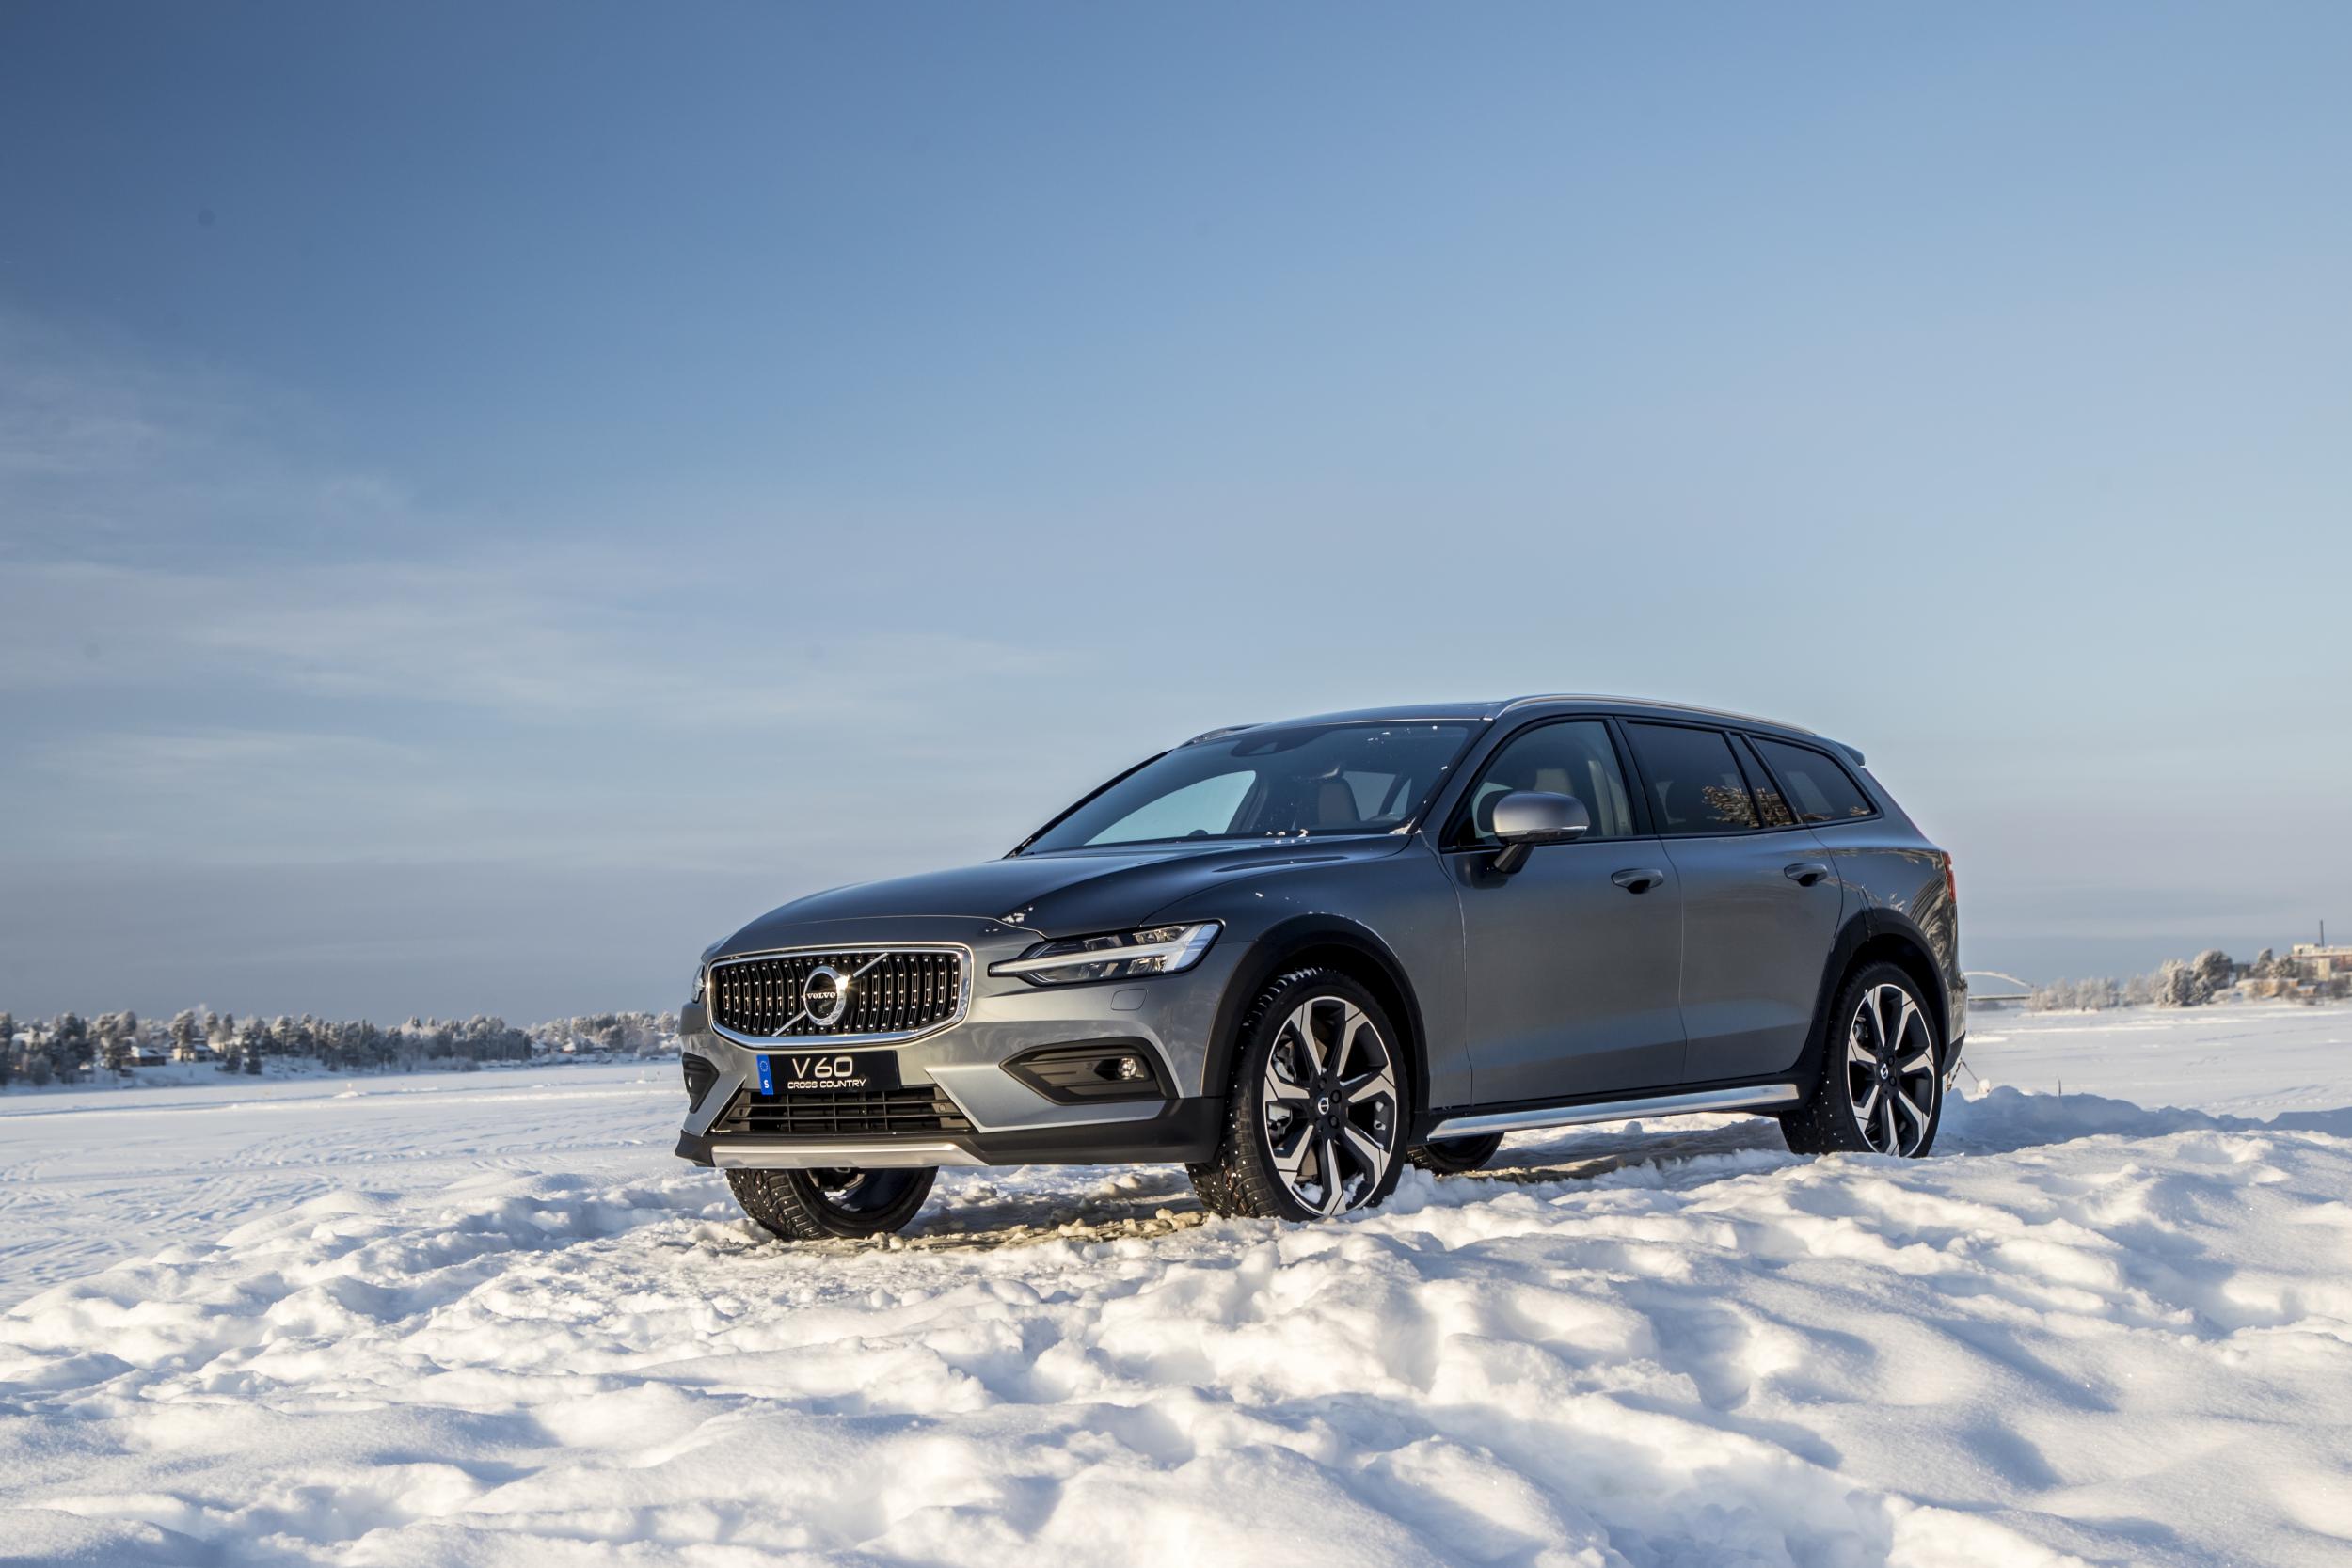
(1526, 819)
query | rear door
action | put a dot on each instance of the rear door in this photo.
(1760, 900)
(1573, 961)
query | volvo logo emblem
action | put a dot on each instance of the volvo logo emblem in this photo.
(825, 995)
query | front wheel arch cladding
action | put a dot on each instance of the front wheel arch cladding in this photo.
(1329, 941)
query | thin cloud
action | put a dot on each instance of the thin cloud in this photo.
(156, 537)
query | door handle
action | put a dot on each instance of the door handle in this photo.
(1806, 873)
(1638, 881)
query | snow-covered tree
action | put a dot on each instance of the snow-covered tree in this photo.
(114, 1034)
(2180, 985)
(2213, 971)
(2074, 996)
(69, 1046)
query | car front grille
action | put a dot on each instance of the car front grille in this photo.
(892, 992)
(921, 1109)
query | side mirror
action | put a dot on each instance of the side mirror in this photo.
(1525, 818)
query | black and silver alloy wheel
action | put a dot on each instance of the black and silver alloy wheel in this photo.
(1315, 1117)
(1328, 1105)
(1890, 1070)
(1881, 1089)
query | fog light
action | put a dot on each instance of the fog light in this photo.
(1094, 1071)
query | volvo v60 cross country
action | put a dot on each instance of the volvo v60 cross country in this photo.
(1295, 956)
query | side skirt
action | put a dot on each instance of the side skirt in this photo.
(1758, 1097)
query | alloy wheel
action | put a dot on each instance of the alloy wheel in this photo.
(1329, 1105)
(1890, 1070)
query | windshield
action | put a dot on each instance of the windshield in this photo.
(1287, 782)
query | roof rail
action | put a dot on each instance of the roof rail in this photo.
(1650, 702)
(1217, 733)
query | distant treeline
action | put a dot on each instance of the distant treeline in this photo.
(2178, 983)
(69, 1048)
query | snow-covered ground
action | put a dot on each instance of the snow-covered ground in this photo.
(463, 1320)
(89, 1176)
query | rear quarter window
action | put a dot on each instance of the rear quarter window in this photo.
(1818, 786)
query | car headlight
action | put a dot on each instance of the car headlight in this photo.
(1116, 956)
(700, 971)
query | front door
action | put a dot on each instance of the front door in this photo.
(1573, 961)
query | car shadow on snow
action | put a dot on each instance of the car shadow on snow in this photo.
(1146, 1200)
(1582, 1153)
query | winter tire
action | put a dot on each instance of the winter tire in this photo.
(1454, 1156)
(831, 1205)
(1314, 1119)
(1881, 1084)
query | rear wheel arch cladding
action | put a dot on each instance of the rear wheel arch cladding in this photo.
(1894, 941)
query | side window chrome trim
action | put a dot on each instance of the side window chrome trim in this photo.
(1457, 817)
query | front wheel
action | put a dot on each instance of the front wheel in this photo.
(1881, 1089)
(1314, 1118)
(831, 1205)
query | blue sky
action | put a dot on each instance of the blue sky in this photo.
(491, 497)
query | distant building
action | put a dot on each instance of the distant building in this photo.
(2307, 971)
(2314, 962)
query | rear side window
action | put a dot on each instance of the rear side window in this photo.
(1571, 759)
(1769, 801)
(1818, 785)
(1694, 781)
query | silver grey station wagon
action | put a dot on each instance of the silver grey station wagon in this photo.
(1294, 956)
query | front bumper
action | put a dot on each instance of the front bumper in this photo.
(1184, 1131)
(1003, 1119)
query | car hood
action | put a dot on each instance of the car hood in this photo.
(1066, 893)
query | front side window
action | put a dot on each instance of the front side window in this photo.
(1571, 759)
(1287, 782)
(1820, 789)
(1694, 781)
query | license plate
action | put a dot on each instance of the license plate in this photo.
(828, 1071)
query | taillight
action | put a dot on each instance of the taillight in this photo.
(1951, 883)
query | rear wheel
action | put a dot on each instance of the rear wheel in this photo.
(1452, 1156)
(827, 1205)
(1882, 1087)
(1314, 1119)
